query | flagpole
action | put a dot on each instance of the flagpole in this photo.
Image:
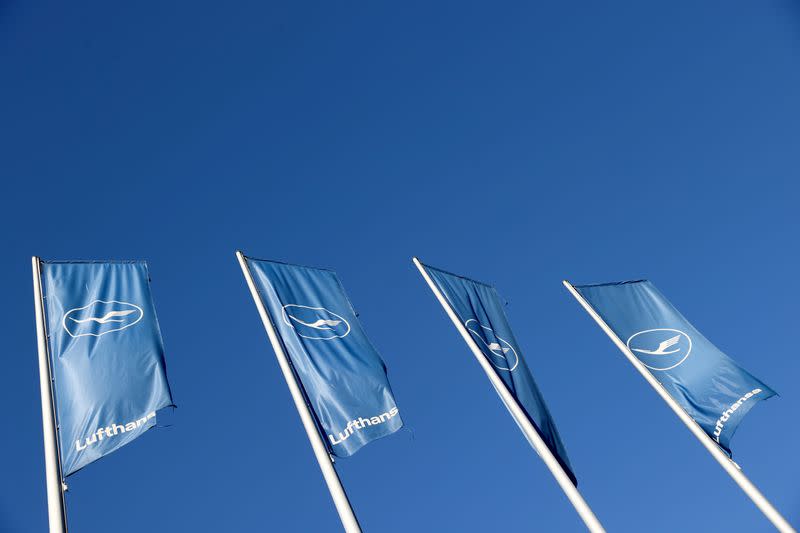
(325, 461)
(56, 508)
(530, 432)
(722, 458)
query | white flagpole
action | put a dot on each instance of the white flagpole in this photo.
(722, 458)
(325, 461)
(564, 481)
(56, 509)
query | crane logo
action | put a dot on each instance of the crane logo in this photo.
(100, 317)
(315, 323)
(499, 352)
(660, 348)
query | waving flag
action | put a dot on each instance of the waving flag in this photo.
(107, 356)
(711, 387)
(342, 376)
(480, 311)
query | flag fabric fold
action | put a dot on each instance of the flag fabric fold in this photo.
(342, 375)
(106, 354)
(480, 310)
(710, 386)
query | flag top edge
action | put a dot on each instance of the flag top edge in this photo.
(93, 261)
(458, 275)
(286, 263)
(611, 283)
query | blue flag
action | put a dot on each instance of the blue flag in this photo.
(708, 384)
(343, 377)
(480, 309)
(106, 354)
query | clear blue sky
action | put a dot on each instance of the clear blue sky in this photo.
(516, 144)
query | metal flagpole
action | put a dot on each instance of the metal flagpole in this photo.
(325, 461)
(564, 481)
(722, 458)
(56, 509)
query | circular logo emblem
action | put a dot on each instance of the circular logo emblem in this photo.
(100, 317)
(315, 323)
(499, 352)
(660, 348)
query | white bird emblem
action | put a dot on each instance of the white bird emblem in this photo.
(494, 347)
(108, 317)
(319, 324)
(672, 341)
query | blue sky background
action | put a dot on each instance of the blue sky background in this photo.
(515, 143)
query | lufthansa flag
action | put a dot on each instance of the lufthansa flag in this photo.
(710, 386)
(480, 310)
(106, 354)
(341, 374)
